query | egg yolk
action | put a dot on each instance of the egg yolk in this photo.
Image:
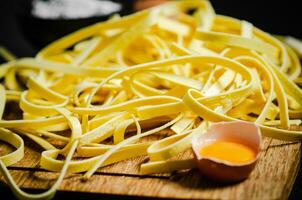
(228, 151)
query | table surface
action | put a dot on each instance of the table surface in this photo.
(273, 177)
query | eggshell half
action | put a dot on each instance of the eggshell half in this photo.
(245, 133)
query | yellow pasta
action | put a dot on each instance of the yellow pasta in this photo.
(160, 68)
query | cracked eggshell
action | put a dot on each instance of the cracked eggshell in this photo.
(245, 133)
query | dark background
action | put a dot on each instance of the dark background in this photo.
(20, 34)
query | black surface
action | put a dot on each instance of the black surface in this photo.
(278, 17)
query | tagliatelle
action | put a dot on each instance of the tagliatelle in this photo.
(161, 68)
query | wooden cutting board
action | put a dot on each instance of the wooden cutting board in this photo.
(273, 177)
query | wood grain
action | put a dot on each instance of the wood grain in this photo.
(272, 178)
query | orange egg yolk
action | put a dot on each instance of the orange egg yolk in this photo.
(228, 151)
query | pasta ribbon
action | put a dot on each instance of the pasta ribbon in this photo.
(144, 85)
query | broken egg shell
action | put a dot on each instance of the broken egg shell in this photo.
(245, 133)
